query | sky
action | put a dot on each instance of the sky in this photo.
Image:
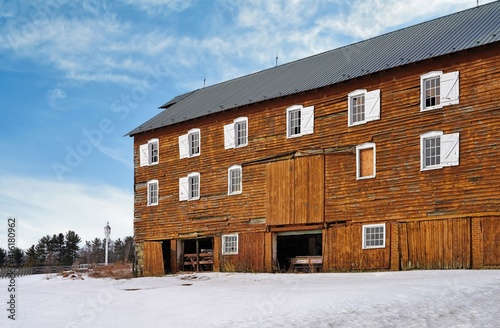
(77, 75)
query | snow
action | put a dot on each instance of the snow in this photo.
(451, 298)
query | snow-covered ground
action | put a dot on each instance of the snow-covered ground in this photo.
(455, 298)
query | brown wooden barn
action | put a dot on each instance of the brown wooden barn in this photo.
(381, 155)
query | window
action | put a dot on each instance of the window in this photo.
(234, 180)
(149, 153)
(373, 236)
(365, 161)
(229, 244)
(363, 106)
(152, 192)
(300, 121)
(189, 187)
(438, 90)
(438, 150)
(189, 144)
(236, 133)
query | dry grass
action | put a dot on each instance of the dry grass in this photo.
(115, 270)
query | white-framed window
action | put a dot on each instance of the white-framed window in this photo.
(438, 150)
(189, 187)
(149, 153)
(234, 180)
(373, 236)
(236, 133)
(189, 144)
(366, 161)
(363, 106)
(438, 89)
(299, 121)
(229, 244)
(152, 192)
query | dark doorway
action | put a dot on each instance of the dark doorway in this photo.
(165, 247)
(291, 245)
(198, 254)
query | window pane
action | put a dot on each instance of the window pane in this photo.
(374, 236)
(153, 193)
(432, 151)
(230, 244)
(241, 133)
(194, 187)
(235, 180)
(153, 152)
(432, 91)
(194, 143)
(358, 109)
(294, 122)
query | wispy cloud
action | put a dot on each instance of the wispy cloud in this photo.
(48, 207)
(161, 6)
(54, 96)
(96, 44)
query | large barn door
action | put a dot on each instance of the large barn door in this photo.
(153, 259)
(491, 241)
(295, 191)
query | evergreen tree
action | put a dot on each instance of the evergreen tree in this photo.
(31, 257)
(97, 251)
(129, 249)
(119, 250)
(3, 257)
(59, 248)
(71, 247)
(16, 257)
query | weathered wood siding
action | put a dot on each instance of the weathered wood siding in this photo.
(436, 244)
(250, 257)
(344, 243)
(400, 189)
(491, 241)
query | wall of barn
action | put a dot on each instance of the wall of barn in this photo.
(400, 191)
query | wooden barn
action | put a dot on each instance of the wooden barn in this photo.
(380, 155)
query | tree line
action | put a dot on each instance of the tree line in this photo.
(64, 249)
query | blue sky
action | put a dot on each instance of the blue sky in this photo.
(76, 76)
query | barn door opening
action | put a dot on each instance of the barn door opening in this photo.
(165, 247)
(300, 251)
(198, 254)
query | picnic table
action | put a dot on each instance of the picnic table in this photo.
(310, 263)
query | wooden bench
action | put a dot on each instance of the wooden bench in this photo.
(306, 264)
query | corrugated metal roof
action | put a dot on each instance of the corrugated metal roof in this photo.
(463, 30)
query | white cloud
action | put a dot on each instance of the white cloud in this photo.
(369, 18)
(95, 44)
(54, 96)
(161, 6)
(48, 207)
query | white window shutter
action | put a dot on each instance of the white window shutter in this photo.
(144, 155)
(450, 149)
(372, 105)
(184, 188)
(229, 136)
(307, 120)
(184, 146)
(450, 88)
